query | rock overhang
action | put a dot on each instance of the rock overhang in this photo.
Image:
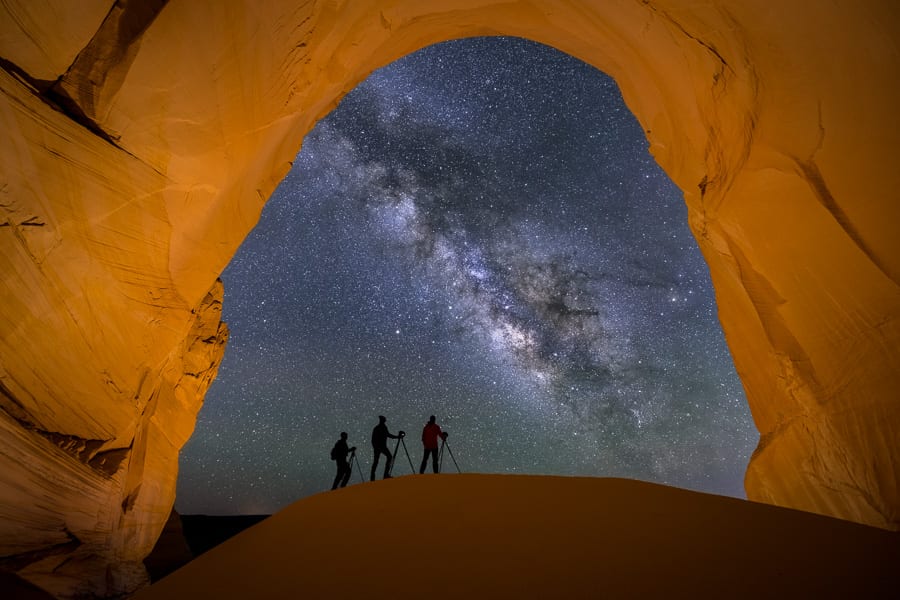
(144, 141)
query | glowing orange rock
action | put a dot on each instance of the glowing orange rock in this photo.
(141, 141)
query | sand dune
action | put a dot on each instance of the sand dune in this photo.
(495, 536)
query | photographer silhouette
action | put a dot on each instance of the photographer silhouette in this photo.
(339, 454)
(380, 436)
(430, 435)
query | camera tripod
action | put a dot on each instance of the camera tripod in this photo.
(396, 450)
(359, 471)
(444, 444)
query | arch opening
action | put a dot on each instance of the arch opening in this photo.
(143, 144)
(478, 232)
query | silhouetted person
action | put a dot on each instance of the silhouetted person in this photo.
(430, 435)
(380, 437)
(339, 453)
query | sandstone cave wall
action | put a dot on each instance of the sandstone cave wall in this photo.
(142, 139)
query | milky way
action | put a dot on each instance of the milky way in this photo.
(477, 232)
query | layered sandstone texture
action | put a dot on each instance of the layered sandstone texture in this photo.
(141, 140)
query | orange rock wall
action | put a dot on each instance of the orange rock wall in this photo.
(141, 140)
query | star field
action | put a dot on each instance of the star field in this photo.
(477, 232)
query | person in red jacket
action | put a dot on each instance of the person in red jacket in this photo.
(430, 436)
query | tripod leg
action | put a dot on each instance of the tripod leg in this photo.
(358, 469)
(411, 468)
(454, 459)
(441, 457)
(390, 467)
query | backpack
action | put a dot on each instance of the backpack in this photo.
(334, 453)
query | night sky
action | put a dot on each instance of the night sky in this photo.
(477, 232)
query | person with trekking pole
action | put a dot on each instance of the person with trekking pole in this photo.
(339, 453)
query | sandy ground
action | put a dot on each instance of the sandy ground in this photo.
(497, 536)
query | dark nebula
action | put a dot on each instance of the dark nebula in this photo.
(477, 232)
